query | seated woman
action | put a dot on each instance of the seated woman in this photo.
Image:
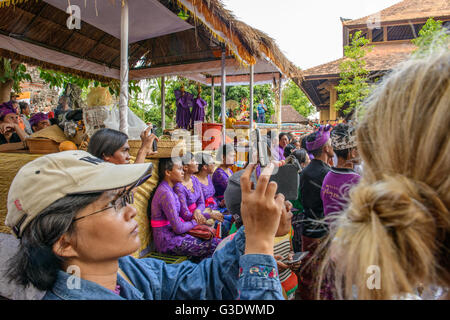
(169, 222)
(220, 177)
(189, 192)
(12, 137)
(39, 121)
(205, 169)
(112, 146)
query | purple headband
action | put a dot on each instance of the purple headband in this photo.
(37, 117)
(6, 108)
(322, 136)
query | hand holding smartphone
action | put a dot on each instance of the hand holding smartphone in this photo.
(298, 256)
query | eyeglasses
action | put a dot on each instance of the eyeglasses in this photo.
(118, 204)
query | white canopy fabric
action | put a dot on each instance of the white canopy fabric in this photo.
(55, 57)
(147, 18)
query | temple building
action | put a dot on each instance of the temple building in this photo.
(390, 32)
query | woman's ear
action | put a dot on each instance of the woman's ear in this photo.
(64, 247)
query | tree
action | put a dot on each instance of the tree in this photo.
(432, 37)
(294, 96)
(354, 86)
(12, 73)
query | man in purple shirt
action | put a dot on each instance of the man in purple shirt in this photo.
(338, 182)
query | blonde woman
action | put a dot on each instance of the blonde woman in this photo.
(393, 238)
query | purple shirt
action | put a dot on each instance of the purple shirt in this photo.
(220, 182)
(166, 207)
(281, 153)
(336, 187)
(208, 191)
(188, 198)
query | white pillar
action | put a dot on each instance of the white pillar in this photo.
(163, 103)
(252, 68)
(280, 104)
(224, 81)
(124, 68)
(212, 100)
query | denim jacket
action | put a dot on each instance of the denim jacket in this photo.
(227, 275)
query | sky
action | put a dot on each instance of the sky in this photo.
(308, 32)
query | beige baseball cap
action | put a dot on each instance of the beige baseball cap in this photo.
(51, 177)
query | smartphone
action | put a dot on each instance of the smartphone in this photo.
(298, 256)
(258, 144)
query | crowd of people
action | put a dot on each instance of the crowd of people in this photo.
(18, 121)
(372, 193)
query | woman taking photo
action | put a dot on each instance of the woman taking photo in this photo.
(56, 213)
(112, 146)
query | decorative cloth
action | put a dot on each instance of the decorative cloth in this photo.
(322, 136)
(6, 108)
(343, 139)
(37, 117)
(198, 111)
(184, 102)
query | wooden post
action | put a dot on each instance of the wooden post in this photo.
(124, 68)
(252, 69)
(212, 100)
(163, 103)
(224, 80)
(333, 98)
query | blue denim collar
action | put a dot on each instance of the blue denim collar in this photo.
(92, 291)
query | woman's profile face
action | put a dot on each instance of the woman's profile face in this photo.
(284, 141)
(177, 173)
(109, 234)
(11, 118)
(191, 167)
(121, 156)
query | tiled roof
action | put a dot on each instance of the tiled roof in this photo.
(384, 56)
(290, 115)
(407, 10)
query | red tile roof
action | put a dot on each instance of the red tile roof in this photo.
(384, 56)
(290, 115)
(406, 10)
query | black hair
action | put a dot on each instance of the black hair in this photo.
(288, 150)
(23, 105)
(300, 155)
(283, 134)
(317, 152)
(342, 129)
(303, 143)
(164, 165)
(203, 159)
(35, 262)
(187, 158)
(104, 142)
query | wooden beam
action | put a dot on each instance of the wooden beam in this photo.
(181, 69)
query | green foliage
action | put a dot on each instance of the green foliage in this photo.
(12, 71)
(58, 79)
(432, 37)
(353, 87)
(148, 107)
(294, 96)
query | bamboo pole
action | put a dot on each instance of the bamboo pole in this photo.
(224, 75)
(212, 100)
(252, 69)
(163, 103)
(280, 103)
(124, 69)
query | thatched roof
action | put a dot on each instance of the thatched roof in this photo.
(37, 22)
